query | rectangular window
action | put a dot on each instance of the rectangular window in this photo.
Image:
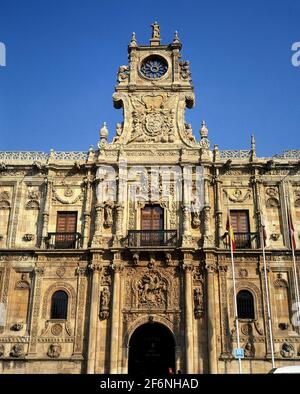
(66, 226)
(240, 225)
(152, 225)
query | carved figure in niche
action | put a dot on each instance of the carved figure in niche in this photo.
(152, 290)
(104, 303)
(108, 214)
(17, 350)
(249, 350)
(198, 302)
(135, 259)
(54, 350)
(287, 350)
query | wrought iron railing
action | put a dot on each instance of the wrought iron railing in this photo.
(63, 241)
(141, 238)
(244, 240)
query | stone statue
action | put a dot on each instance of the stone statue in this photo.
(108, 215)
(104, 303)
(123, 73)
(155, 30)
(189, 132)
(198, 302)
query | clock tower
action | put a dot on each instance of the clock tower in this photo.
(154, 91)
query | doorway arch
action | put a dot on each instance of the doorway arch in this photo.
(151, 350)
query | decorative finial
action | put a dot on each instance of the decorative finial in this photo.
(203, 130)
(133, 42)
(155, 40)
(253, 147)
(103, 131)
(176, 39)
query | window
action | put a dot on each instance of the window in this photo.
(66, 230)
(59, 305)
(240, 225)
(152, 225)
(245, 305)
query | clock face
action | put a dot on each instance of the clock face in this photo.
(154, 67)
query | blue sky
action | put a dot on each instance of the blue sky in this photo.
(63, 56)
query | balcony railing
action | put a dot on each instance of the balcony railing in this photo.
(244, 241)
(63, 241)
(145, 238)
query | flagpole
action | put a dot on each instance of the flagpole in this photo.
(235, 306)
(236, 321)
(267, 293)
(288, 214)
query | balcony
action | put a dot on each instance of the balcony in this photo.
(63, 241)
(244, 241)
(152, 238)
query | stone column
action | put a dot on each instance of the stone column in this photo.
(45, 214)
(86, 213)
(97, 237)
(117, 268)
(38, 274)
(80, 307)
(188, 309)
(95, 270)
(211, 319)
(206, 214)
(186, 205)
(217, 183)
(121, 198)
(14, 215)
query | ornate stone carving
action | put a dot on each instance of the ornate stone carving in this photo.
(108, 214)
(185, 70)
(237, 195)
(17, 350)
(272, 203)
(104, 303)
(54, 350)
(249, 350)
(198, 302)
(28, 237)
(60, 272)
(123, 73)
(135, 259)
(4, 200)
(152, 119)
(56, 329)
(151, 290)
(243, 273)
(246, 329)
(272, 191)
(17, 326)
(57, 197)
(287, 350)
(2, 350)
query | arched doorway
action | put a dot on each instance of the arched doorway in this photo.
(151, 350)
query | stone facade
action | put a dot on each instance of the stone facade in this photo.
(114, 283)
